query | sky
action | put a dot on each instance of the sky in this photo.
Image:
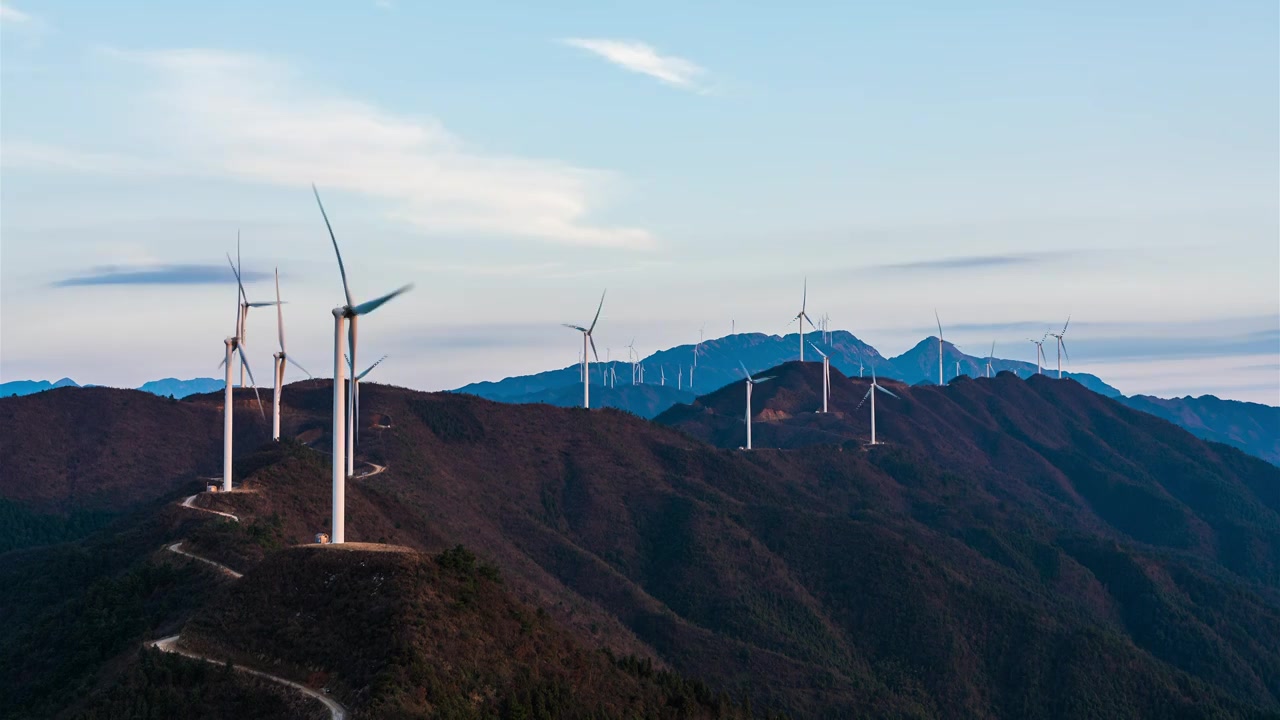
(1007, 164)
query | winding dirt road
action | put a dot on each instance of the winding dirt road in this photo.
(376, 469)
(188, 503)
(170, 645)
(177, 548)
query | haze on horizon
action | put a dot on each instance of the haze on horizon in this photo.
(1006, 165)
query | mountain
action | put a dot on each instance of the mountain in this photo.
(920, 365)
(166, 387)
(1017, 548)
(1252, 427)
(182, 388)
(27, 387)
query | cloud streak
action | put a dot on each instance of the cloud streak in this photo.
(641, 58)
(247, 117)
(10, 14)
(971, 262)
(157, 275)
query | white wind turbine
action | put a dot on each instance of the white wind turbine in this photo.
(344, 406)
(281, 358)
(697, 350)
(990, 357)
(1039, 352)
(871, 393)
(662, 375)
(751, 382)
(242, 319)
(234, 349)
(355, 389)
(632, 357)
(589, 341)
(802, 317)
(1062, 345)
(826, 376)
(941, 380)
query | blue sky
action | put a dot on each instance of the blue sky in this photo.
(1009, 164)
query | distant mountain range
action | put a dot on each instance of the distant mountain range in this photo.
(164, 388)
(1252, 427)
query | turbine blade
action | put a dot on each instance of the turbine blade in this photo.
(598, 309)
(593, 347)
(864, 397)
(295, 364)
(1065, 324)
(935, 317)
(815, 349)
(886, 392)
(744, 370)
(341, 268)
(1064, 348)
(804, 299)
(766, 378)
(365, 308)
(371, 367)
(252, 383)
(268, 303)
(280, 313)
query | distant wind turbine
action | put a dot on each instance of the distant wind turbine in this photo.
(941, 380)
(1039, 353)
(826, 376)
(662, 375)
(1062, 345)
(234, 350)
(355, 388)
(990, 357)
(344, 406)
(802, 317)
(871, 393)
(242, 319)
(587, 340)
(280, 360)
(751, 382)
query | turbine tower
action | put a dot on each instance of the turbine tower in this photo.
(990, 357)
(871, 393)
(826, 376)
(281, 358)
(1062, 345)
(751, 382)
(234, 349)
(941, 380)
(802, 317)
(344, 406)
(588, 340)
(355, 385)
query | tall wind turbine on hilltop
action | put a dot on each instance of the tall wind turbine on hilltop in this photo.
(234, 349)
(941, 380)
(826, 376)
(280, 359)
(871, 393)
(343, 406)
(751, 382)
(589, 341)
(697, 350)
(802, 317)
(990, 357)
(1062, 345)
(242, 319)
(1039, 352)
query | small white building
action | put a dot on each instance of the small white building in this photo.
(211, 488)
(322, 538)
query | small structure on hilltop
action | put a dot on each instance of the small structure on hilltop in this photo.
(211, 488)
(322, 538)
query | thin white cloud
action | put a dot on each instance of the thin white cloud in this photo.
(10, 14)
(644, 59)
(252, 118)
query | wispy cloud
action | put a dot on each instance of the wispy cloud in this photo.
(157, 275)
(251, 118)
(971, 262)
(641, 58)
(10, 14)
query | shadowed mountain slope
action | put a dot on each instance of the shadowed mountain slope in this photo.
(1020, 548)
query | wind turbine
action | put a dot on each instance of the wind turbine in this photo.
(751, 382)
(280, 359)
(802, 317)
(871, 393)
(990, 357)
(355, 389)
(1039, 352)
(631, 358)
(343, 406)
(588, 340)
(826, 376)
(697, 349)
(234, 348)
(242, 317)
(1062, 345)
(662, 375)
(941, 381)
